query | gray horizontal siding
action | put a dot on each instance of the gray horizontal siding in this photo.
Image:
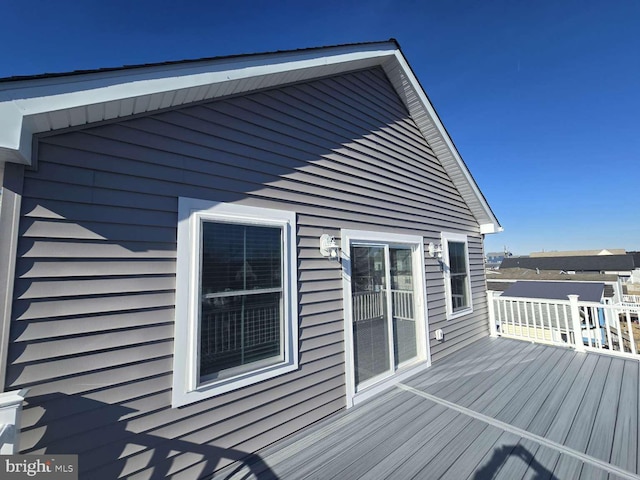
(95, 274)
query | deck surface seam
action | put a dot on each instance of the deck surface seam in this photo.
(524, 434)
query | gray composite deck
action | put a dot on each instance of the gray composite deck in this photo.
(499, 409)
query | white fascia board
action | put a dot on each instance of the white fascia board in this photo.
(477, 203)
(25, 105)
(12, 135)
(486, 228)
(21, 102)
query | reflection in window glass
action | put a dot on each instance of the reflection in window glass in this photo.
(241, 288)
(458, 275)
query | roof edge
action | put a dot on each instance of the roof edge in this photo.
(39, 104)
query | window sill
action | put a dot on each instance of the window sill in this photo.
(215, 388)
(460, 313)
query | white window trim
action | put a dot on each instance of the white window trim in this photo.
(447, 237)
(191, 212)
(424, 352)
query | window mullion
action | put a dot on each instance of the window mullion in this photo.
(237, 293)
(244, 285)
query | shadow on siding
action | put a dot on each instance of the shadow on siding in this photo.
(73, 423)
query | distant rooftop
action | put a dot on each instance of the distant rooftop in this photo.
(510, 274)
(575, 263)
(580, 253)
(589, 292)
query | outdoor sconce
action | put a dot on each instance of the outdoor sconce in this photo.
(329, 248)
(435, 250)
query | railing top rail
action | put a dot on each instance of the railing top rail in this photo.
(532, 300)
(581, 303)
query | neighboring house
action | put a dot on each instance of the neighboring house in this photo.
(164, 293)
(587, 291)
(620, 265)
(579, 253)
(504, 278)
(494, 259)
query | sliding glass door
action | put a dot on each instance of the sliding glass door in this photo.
(383, 301)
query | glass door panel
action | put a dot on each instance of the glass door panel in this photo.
(402, 305)
(370, 318)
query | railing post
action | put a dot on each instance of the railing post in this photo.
(493, 331)
(10, 415)
(575, 323)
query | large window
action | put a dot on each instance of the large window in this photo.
(236, 298)
(456, 268)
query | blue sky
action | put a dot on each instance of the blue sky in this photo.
(541, 98)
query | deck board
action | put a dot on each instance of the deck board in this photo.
(516, 454)
(499, 409)
(625, 437)
(583, 424)
(353, 453)
(601, 439)
(385, 465)
(430, 449)
(531, 401)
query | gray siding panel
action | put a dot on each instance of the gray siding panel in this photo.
(92, 322)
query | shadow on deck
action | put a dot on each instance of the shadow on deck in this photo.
(499, 409)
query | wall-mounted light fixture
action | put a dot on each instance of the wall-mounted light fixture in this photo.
(329, 248)
(435, 250)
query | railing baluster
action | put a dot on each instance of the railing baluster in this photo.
(587, 324)
(603, 327)
(551, 328)
(544, 332)
(607, 311)
(630, 330)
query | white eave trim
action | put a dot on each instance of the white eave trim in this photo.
(486, 228)
(40, 105)
(37, 105)
(427, 120)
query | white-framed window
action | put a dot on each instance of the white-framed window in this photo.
(236, 298)
(455, 260)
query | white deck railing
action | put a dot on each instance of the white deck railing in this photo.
(586, 326)
(368, 305)
(10, 420)
(631, 300)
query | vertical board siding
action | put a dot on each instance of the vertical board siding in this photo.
(92, 322)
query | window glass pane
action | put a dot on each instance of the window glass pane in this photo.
(402, 305)
(459, 298)
(239, 330)
(241, 314)
(457, 257)
(369, 300)
(240, 257)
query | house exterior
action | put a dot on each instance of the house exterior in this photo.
(621, 265)
(165, 297)
(579, 253)
(504, 278)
